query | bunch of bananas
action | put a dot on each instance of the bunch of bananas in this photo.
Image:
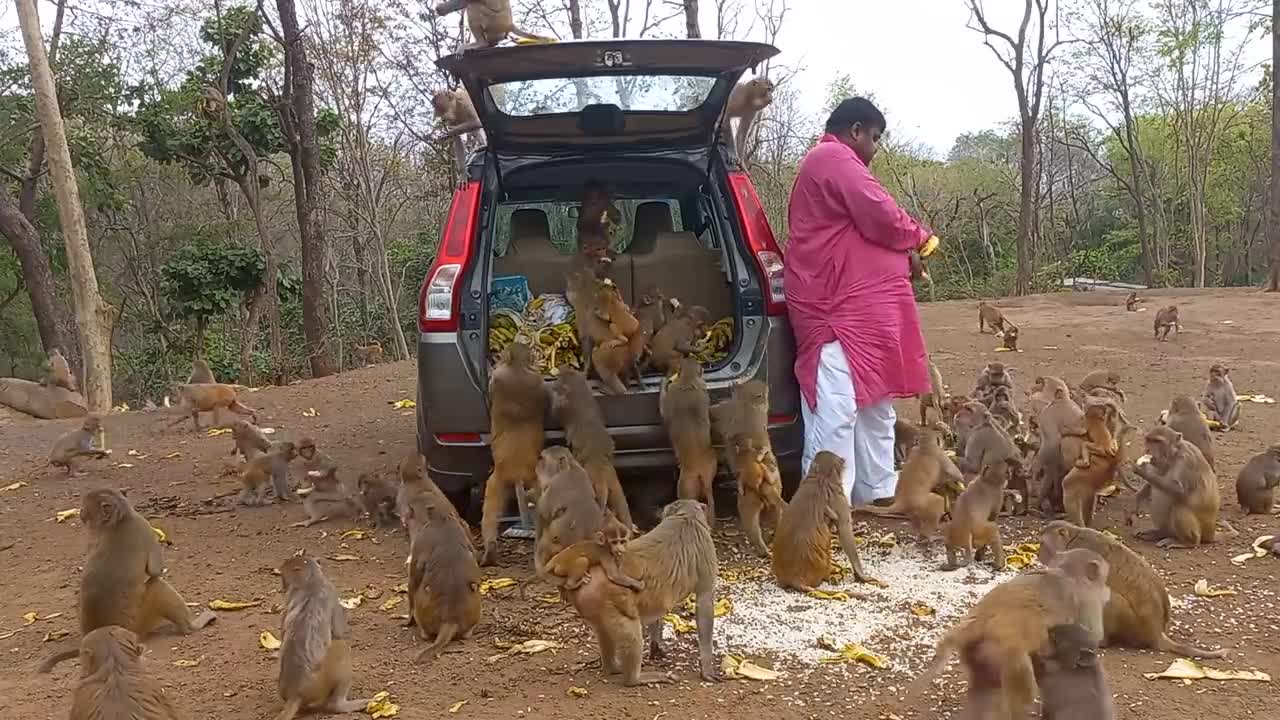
(558, 345)
(714, 346)
(504, 325)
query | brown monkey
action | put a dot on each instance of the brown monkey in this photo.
(566, 511)
(993, 376)
(1005, 412)
(378, 498)
(1108, 380)
(1070, 675)
(573, 403)
(571, 567)
(76, 444)
(590, 265)
(1010, 339)
(1183, 490)
(1137, 615)
(802, 541)
(114, 683)
(996, 639)
(490, 22)
(743, 419)
(676, 558)
(1257, 481)
(1131, 302)
(327, 500)
(1166, 319)
(315, 643)
(971, 532)
(598, 212)
(1043, 392)
(59, 372)
(988, 444)
(615, 353)
(517, 405)
(1184, 417)
(367, 355)
(989, 316)
(123, 580)
(1094, 467)
(413, 482)
(746, 101)
(200, 373)
(444, 579)
(318, 464)
(652, 314)
(1220, 398)
(268, 469)
(925, 473)
(675, 340)
(758, 494)
(905, 436)
(1061, 418)
(933, 399)
(455, 110)
(686, 409)
(250, 441)
(209, 397)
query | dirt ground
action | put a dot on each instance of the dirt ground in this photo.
(219, 552)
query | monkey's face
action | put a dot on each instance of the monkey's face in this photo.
(101, 508)
(1217, 372)
(1183, 405)
(297, 570)
(91, 424)
(1161, 444)
(307, 451)
(552, 462)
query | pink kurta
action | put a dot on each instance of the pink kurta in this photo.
(847, 277)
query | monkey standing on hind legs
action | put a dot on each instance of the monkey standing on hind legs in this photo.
(76, 444)
(315, 644)
(114, 683)
(59, 372)
(585, 431)
(926, 469)
(758, 495)
(971, 531)
(675, 559)
(517, 406)
(123, 579)
(455, 110)
(444, 579)
(614, 352)
(686, 410)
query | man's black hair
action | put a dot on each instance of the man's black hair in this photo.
(856, 110)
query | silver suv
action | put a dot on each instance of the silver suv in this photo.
(643, 117)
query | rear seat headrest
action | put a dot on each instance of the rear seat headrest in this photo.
(651, 218)
(529, 222)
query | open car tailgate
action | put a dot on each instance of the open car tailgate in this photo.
(603, 95)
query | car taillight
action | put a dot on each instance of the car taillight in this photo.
(438, 300)
(760, 238)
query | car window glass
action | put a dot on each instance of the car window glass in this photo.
(563, 225)
(635, 93)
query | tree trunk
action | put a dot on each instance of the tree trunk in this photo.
(1273, 224)
(36, 274)
(1026, 206)
(315, 323)
(35, 151)
(575, 19)
(691, 19)
(93, 315)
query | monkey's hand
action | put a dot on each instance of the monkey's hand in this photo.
(450, 6)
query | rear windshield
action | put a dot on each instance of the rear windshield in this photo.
(562, 223)
(631, 93)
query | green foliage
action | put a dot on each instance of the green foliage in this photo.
(208, 278)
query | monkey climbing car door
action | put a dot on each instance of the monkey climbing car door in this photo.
(603, 96)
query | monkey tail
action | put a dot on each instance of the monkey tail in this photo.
(52, 661)
(1167, 644)
(946, 646)
(444, 637)
(895, 510)
(530, 36)
(1228, 528)
(290, 710)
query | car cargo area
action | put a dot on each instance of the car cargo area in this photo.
(658, 247)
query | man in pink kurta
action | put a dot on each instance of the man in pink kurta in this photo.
(849, 297)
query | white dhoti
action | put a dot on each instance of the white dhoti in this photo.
(863, 437)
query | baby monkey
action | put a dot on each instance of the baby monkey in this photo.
(1069, 672)
(76, 444)
(571, 568)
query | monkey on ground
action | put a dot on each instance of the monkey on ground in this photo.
(746, 101)
(490, 22)
(802, 542)
(1010, 340)
(328, 500)
(566, 510)
(123, 579)
(686, 410)
(444, 578)
(76, 444)
(316, 462)
(926, 472)
(250, 441)
(367, 355)
(585, 431)
(1108, 380)
(616, 352)
(1062, 418)
(758, 495)
(1257, 481)
(200, 373)
(414, 481)
(209, 397)
(1220, 400)
(1138, 613)
(997, 637)
(675, 559)
(971, 531)
(1094, 468)
(59, 374)
(905, 436)
(378, 498)
(993, 375)
(1131, 302)
(932, 400)
(114, 684)
(517, 406)
(676, 339)
(1069, 672)
(571, 567)
(1183, 490)
(989, 316)
(315, 643)
(1166, 319)
(270, 469)
(1185, 418)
